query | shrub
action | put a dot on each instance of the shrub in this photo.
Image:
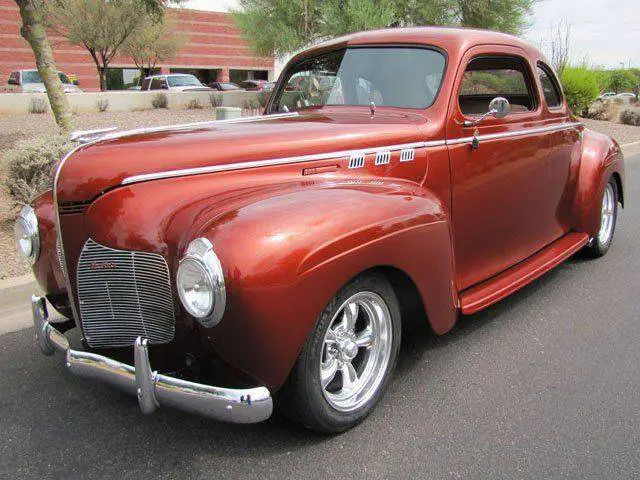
(249, 104)
(216, 100)
(607, 111)
(31, 165)
(102, 105)
(630, 116)
(38, 105)
(580, 87)
(621, 80)
(194, 104)
(160, 100)
(263, 98)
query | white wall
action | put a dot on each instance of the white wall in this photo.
(119, 101)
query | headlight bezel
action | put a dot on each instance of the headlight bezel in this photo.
(200, 253)
(28, 221)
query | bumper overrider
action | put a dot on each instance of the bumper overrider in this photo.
(152, 388)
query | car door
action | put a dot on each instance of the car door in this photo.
(502, 210)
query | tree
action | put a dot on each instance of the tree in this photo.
(560, 46)
(32, 13)
(154, 42)
(510, 16)
(278, 27)
(100, 26)
(621, 81)
(33, 30)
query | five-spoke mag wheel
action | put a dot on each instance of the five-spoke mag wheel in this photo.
(347, 361)
(356, 351)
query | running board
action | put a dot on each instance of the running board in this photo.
(504, 284)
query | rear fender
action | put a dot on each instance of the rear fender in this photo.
(601, 159)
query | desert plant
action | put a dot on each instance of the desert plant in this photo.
(630, 116)
(216, 100)
(37, 105)
(194, 104)
(607, 111)
(580, 87)
(249, 104)
(31, 165)
(102, 105)
(263, 98)
(160, 100)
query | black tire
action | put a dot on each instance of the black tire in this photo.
(302, 398)
(598, 247)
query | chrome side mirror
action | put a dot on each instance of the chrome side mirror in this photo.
(498, 107)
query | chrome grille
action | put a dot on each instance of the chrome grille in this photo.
(59, 254)
(123, 295)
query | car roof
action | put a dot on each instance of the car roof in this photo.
(453, 40)
(165, 75)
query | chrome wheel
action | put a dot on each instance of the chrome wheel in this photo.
(607, 219)
(356, 351)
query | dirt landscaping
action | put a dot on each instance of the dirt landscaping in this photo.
(16, 128)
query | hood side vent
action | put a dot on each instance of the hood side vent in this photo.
(73, 207)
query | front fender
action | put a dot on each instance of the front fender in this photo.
(287, 246)
(600, 159)
(289, 254)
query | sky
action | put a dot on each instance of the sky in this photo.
(604, 32)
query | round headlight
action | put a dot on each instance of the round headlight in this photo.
(200, 283)
(26, 233)
(195, 288)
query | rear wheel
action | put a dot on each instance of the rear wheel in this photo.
(347, 361)
(599, 245)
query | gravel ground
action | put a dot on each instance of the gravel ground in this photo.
(15, 128)
(622, 133)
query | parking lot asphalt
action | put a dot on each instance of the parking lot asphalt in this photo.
(545, 384)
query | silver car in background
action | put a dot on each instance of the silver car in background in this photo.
(29, 81)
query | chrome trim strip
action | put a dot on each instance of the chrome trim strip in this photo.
(153, 389)
(190, 126)
(517, 133)
(275, 162)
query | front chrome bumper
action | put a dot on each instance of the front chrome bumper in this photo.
(152, 388)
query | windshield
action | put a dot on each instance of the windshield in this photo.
(32, 76)
(184, 81)
(405, 77)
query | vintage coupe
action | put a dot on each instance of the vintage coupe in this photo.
(431, 168)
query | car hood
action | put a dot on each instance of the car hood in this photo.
(39, 87)
(191, 89)
(98, 167)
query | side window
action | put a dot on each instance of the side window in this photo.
(488, 77)
(145, 84)
(549, 87)
(156, 83)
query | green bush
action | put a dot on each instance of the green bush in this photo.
(31, 165)
(160, 100)
(622, 81)
(631, 116)
(580, 87)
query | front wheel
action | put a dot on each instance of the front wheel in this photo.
(600, 244)
(348, 359)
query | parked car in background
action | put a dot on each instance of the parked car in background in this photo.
(176, 82)
(225, 87)
(29, 81)
(257, 85)
(625, 97)
(606, 96)
(209, 266)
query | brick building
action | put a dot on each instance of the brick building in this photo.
(215, 51)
